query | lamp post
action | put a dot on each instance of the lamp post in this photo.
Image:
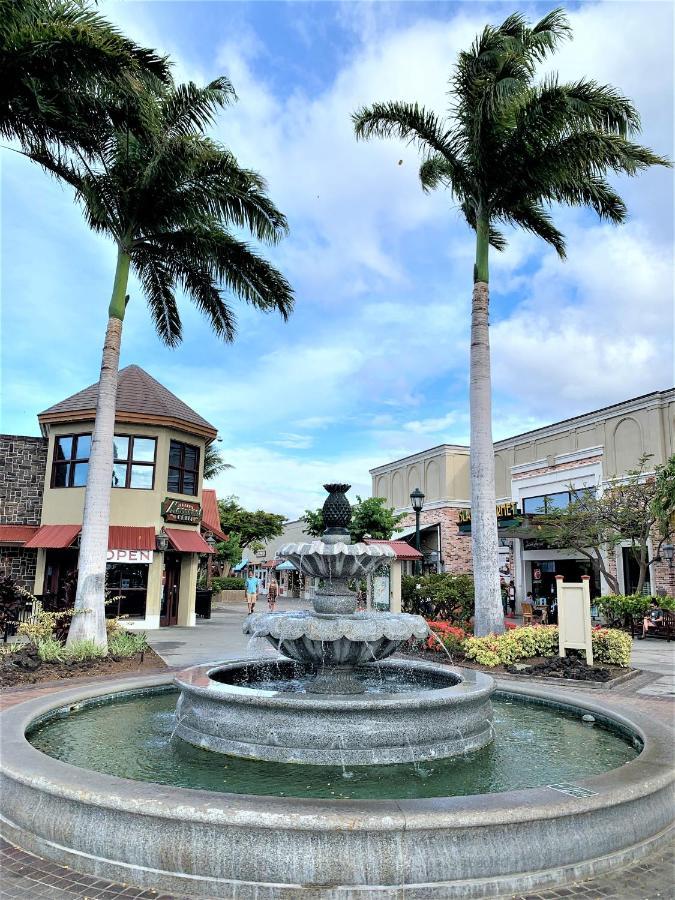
(417, 501)
(211, 541)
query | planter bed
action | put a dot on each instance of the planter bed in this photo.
(22, 668)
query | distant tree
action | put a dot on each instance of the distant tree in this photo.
(369, 517)
(228, 554)
(214, 463)
(248, 527)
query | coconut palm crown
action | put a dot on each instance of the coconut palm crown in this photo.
(172, 200)
(509, 150)
(60, 62)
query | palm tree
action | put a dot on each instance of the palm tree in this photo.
(511, 148)
(167, 196)
(59, 63)
(214, 463)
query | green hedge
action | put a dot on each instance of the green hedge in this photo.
(227, 584)
(610, 646)
(442, 596)
(619, 606)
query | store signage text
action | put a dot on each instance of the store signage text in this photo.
(183, 511)
(504, 511)
(130, 556)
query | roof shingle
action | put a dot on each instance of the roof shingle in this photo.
(139, 395)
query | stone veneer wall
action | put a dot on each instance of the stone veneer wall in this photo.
(20, 565)
(22, 473)
(455, 547)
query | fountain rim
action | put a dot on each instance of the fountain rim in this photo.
(650, 772)
(454, 694)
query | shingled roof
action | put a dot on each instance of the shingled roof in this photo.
(140, 399)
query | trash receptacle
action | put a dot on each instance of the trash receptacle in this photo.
(203, 603)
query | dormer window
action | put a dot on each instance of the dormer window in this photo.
(71, 460)
(183, 469)
(134, 465)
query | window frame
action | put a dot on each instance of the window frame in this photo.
(544, 497)
(71, 461)
(181, 469)
(130, 461)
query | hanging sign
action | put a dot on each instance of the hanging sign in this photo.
(184, 511)
(130, 556)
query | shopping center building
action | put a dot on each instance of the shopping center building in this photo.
(160, 514)
(533, 469)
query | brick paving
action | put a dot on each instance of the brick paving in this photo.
(24, 876)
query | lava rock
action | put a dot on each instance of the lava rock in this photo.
(569, 667)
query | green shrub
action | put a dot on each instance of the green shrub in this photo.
(441, 596)
(618, 607)
(52, 650)
(123, 644)
(227, 583)
(610, 646)
(49, 649)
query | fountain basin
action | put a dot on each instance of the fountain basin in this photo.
(335, 644)
(217, 711)
(220, 845)
(336, 559)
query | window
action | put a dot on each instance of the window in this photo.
(134, 462)
(183, 469)
(71, 460)
(546, 503)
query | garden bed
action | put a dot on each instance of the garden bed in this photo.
(24, 667)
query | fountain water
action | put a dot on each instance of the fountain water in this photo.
(335, 678)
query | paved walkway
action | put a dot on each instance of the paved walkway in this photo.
(26, 876)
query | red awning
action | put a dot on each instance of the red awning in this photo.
(17, 534)
(54, 537)
(210, 514)
(129, 537)
(187, 541)
(400, 548)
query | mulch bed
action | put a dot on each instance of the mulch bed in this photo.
(568, 667)
(25, 668)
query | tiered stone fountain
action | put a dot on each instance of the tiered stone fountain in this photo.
(333, 699)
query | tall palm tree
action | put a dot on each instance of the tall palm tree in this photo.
(168, 197)
(214, 463)
(511, 148)
(59, 62)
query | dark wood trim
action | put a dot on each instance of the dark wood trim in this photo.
(129, 462)
(182, 469)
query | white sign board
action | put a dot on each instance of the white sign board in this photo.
(574, 617)
(130, 556)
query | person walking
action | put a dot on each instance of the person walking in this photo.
(272, 594)
(252, 585)
(512, 598)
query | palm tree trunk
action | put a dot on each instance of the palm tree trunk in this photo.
(90, 595)
(489, 617)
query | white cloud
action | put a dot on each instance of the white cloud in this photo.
(293, 441)
(431, 426)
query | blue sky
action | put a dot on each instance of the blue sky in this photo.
(373, 363)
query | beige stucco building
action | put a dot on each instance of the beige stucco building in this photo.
(586, 450)
(159, 511)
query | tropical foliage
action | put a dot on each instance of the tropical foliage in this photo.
(510, 149)
(214, 463)
(248, 527)
(618, 609)
(63, 68)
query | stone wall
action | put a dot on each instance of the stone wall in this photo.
(455, 547)
(19, 564)
(22, 473)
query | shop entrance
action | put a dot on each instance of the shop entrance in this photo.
(169, 612)
(61, 575)
(544, 573)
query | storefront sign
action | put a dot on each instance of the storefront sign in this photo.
(130, 556)
(506, 510)
(183, 511)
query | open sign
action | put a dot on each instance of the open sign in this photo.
(130, 556)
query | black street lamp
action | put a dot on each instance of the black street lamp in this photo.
(417, 501)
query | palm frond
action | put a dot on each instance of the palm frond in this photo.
(533, 217)
(188, 108)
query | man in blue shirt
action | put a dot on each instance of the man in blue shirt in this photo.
(251, 592)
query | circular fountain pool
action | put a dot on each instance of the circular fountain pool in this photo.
(131, 736)
(186, 821)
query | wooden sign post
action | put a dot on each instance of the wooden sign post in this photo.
(574, 616)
